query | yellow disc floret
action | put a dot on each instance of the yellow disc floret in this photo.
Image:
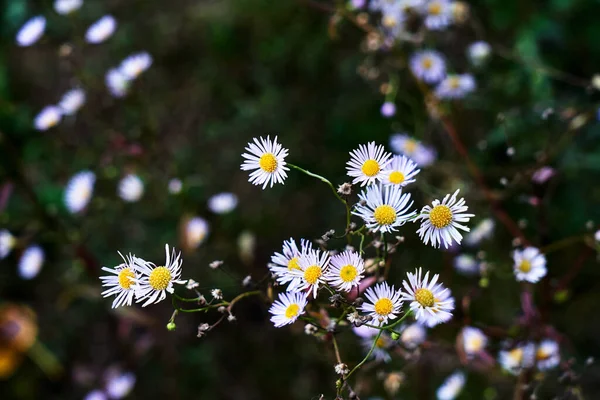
(424, 297)
(525, 266)
(397, 177)
(293, 264)
(427, 63)
(160, 278)
(268, 163)
(410, 146)
(384, 306)
(292, 310)
(440, 216)
(312, 274)
(370, 167)
(348, 273)
(126, 277)
(385, 215)
(435, 8)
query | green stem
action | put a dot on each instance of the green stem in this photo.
(364, 360)
(186, 299)
(335, 193)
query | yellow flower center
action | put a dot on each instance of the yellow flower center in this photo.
(384, 306)
(293, 264)
(427, 63)
(312, 274)
(541, 354)
(292, 310)
(389, 21)
(268, 162)
(440, 216)
(126, 277)
(348, 273)
(454, 83)
(525, 266)
(516, 355)
(380, 343)
(435, 8)
(424, 297)
(476, 343)
(385, 215)
(160, 278)
(370, 167)
(410, 146)
(397, 177)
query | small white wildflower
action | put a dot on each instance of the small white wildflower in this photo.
(117, 83)
(202, 329)
(438, 14)
(231, 318)
(430, 301)
(95, 395)
(72, 101)
(196, 230)
(134, 65)
(455, 86)
(384, 303)
(518, 358)
(310, 329)
(222, 203)
(367, 163)
(479, 52)
(47, 118)
(119, 386)
(131, 188)
(466, 264)
(313, 266)
(64, 7)
(79, 190)
(31, 262)
(385, 208)
(451, 387)
(474, 340)
(101, 30)
(191, 284)
(7, 243)
(415, 150)
(481, 231)
(287, 308)
(341, 369)
(346, 270)
(155, 281)
(530, 264)
(547, 355)
(217, 294)
(428, 66)
(175, 186)
(267, 160)
(215, 264)
(413, 335)
(247, 281)
(121, 282)
(31, 31)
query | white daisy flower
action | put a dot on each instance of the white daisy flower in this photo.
(222, 203)
(346, 271)
(131, 188)
(518, 358)
(474, 340)
(441, 220)
(101, 30)
(135, 64)
(413, 335)
(72, 101)
(122, 281)
(451, 387)
(381, 349)
(547, 355)
(120, 385)
(117, 83)
(7, 243)
(79, 191)
(287, 308)
(175, 186)
(466, 264)
(428, 66)
(438, 14)
(154, 282)
(367, 163)
(313, 265)
(267, 158)
(64, 7)
(413, 149)
(384, 303)
(478, 52)
(47, 118)
(195, 232)
(455, 86)
(31, 31)
(400, 171)
(530, 264)
(31, 262)
(288, 260)
(483, 230)
(385, 208)
(431, 302)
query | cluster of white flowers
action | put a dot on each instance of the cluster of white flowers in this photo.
(68, 105)
(544, 355)
(119, 79)
(141, 279)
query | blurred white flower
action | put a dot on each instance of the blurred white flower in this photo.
(95, 395)
(222, 203)
(438, 14)
(72, 101)
(119, 386)
(116, 82)
(466, 264)
(543, 174)
(31, 262)
(196, 230)
(131, 188)
(474, 340)
(31, 31)
(79, 191)
(101, 30)
(175, 186)
(530, 264)
(483, 230)
(47, 118)
(67, 6)
(455, 86)
(479, 52)
(7, 242)
(597, 236)
(451, 387)
(413, 335)
(423, 155)
(135, 64)
(428, 66)
(155, 281)
(547, 355)
(518, 358)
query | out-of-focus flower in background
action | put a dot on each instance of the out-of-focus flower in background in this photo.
(479, 52)
(175, 186)
(31, 262)
(193, 232)
(116, 82)
(455, 86)
(466, 264)
(483, 230)
(131, 188)
(135, 64)
(101, 30)
(119, 384)
(72, 101)
(423, 155)
(388, 109)
(47, 118)
(451, 387)
(64, 7)
(428, 66)
(31, 31)
(7, 243)
(79, 190)
(222, 203)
